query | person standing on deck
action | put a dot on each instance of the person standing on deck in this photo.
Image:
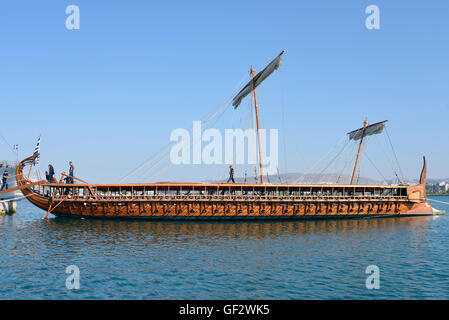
(71, 168)
(231, 174)
(51, 173)
(5, 180)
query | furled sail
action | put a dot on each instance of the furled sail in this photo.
(258, 78)
(374, 128)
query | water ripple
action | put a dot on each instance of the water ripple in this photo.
(223, 260)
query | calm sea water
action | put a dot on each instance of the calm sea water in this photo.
(230, 260)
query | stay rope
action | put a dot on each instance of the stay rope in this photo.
(322, 158)
(394, 153)
(349, 159)
(285, 128)
(206, 122)
(439, 201)
(10, 147)
(388, 159)
(384, 179)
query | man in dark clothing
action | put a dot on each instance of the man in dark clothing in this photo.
(71, 168)
(231, 174)
(67, 181)
(5, 180)
(51, 173)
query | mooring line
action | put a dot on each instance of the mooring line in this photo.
(437, 201)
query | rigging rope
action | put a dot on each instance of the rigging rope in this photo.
(327, 171)
(288, 131)
(349, 159)
(388, 158)
(334, 158)
(10, 147)
(323, 157)
(337, 161)
(168, 151)
(437, 200)
(215, 114)
(211, 120)
(394, 153)
(384, 180)
(145, 162)
(160, 171)
(147, 171)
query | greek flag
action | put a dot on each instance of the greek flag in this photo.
(37, 150)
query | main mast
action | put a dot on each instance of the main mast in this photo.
(258, 126)
(257, 79)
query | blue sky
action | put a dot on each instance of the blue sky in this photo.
(108, 95)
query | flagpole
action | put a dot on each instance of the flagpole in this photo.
(36, 150)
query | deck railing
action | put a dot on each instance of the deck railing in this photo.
(65, 192)
(224, 198)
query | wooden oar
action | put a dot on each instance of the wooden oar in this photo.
(23, 187)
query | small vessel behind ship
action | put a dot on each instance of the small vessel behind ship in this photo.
(230, 200)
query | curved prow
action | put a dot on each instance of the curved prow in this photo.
(25, 184)
(20, 178)
(417, 193)
(422, 179)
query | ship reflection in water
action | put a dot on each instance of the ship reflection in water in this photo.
(153, 231)
(223, 260)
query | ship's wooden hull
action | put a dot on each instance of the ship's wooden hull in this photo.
(132, 212)
(196, 201)
(207, 209)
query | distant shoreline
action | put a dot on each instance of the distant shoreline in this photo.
(438, 194)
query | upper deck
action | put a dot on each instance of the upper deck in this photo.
(221, 191)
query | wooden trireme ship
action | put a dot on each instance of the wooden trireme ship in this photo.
(230, 200)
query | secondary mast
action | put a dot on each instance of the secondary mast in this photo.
(360, 134)
(365, 124)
